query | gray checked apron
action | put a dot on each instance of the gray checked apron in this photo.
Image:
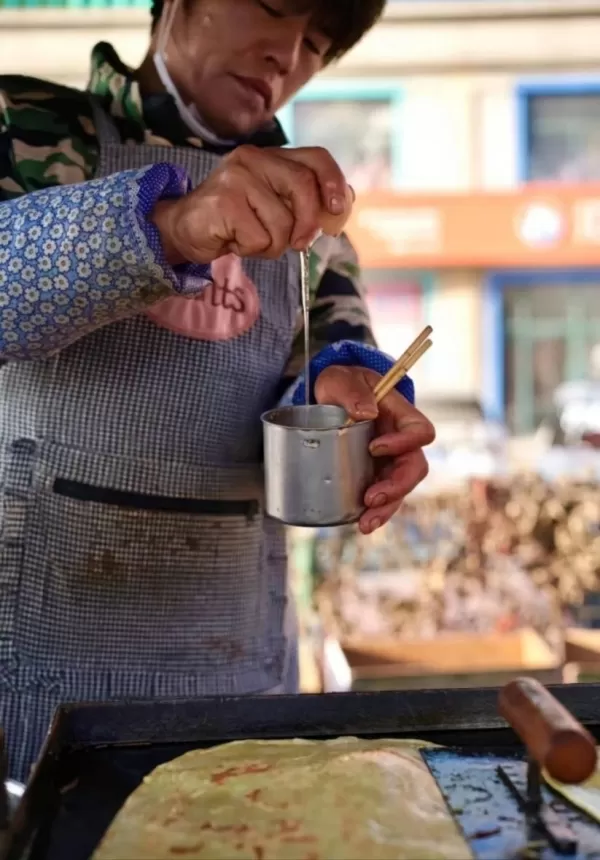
(135, 558)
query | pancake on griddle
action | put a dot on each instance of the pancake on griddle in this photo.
(288, 800)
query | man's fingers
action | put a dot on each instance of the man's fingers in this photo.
(412, 428)
(337, 196)
(274, 216)
(294, 183)
(349, 388)
(396, 482)
(411, 435)
(374, 519)
(335, 191)
(257, 202)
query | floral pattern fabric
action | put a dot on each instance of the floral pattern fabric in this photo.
(77, 257)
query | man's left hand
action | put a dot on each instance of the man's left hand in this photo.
(401, 432)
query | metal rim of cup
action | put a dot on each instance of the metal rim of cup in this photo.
(267, 418)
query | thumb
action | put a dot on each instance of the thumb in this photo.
(348, 387)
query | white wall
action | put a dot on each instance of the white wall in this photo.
(55, 44)
(455, 315)
(459, 133)
(436, 141)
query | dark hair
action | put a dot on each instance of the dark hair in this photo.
(343, 21)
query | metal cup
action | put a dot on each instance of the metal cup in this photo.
(316, 470)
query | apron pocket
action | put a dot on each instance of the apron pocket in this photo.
(144, 502)
(118, 578)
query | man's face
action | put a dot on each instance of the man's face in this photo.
(239, 61)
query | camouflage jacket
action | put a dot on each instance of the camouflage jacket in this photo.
(48, 139)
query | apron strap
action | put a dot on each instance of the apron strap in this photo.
(106, 128)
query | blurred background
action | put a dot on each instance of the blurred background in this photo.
(471, 132)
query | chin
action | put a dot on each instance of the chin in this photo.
(234, 121)
(241, 127)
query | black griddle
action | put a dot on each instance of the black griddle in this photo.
(96, 754)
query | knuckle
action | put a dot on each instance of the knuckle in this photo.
(229, 177)
(280, 239)
(228, 162)
(327, 161)
(277, 247)
(301, 174)
(322, 153)
(255, 246)
(244, 152)
(285, 221)
(430, 431)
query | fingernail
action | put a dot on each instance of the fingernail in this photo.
(378, 450)
(379, 501)
(375, 524)
(352, 192)
(336, 205)
(366, 409)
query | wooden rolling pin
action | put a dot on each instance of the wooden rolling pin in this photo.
(554, 739)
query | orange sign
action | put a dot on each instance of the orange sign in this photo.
(541, 227)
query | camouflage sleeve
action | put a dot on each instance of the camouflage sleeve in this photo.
(338, 307)
(75, 258)
(47, 137)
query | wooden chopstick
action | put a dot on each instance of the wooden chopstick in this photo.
(398, 371)
(405, 355)
(409, 357)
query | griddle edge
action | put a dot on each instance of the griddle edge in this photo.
(108, 748)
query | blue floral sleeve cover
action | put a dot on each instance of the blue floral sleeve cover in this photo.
(76, 257)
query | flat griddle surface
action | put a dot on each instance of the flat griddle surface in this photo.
(492, 823)
(96, 755)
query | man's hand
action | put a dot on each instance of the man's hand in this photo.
(257, 203)
(401, 433)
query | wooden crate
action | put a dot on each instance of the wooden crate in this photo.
(582, 645)
(461, 660)
(582, 648)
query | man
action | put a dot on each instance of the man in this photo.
(144, 327)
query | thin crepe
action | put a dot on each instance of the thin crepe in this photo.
(288, 800)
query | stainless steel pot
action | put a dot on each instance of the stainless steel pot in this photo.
(316, 470)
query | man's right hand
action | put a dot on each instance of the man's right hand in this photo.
(257, 203)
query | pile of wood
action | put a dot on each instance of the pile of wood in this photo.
(508, 554)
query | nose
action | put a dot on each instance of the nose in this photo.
(282, 50)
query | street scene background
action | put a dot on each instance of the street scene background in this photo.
(470, 130)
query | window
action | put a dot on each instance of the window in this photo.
(357, 132)
(551, 337)
(562, 136)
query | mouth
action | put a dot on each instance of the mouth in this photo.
(257, 87)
